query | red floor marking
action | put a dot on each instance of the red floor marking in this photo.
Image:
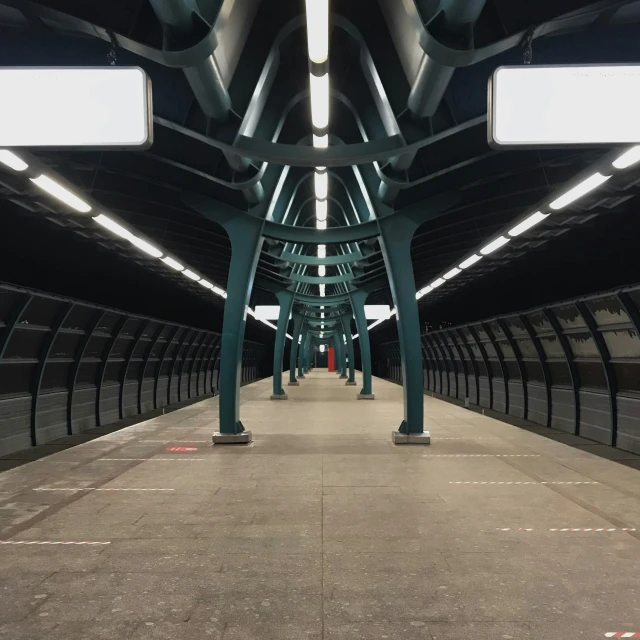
(182, 449)
(46, 542)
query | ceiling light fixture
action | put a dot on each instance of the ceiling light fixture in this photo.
(321, 210)
(219, 291)
(322, 271)
(493, 245)
(12, 161)
(322, 251)
(321, 224)
(191, 274)
(628, 158)
(527, 223)
(174, 264)
(591, 183)
(450, 274)
(319, 100)
(469, 261)
(321, 184)
(321, 142)
(143, 245)
(437, 283)
(61, 193)
(113, 226)
(318, 30)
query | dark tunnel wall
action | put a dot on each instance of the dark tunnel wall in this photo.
(573, 366)
(67, 366)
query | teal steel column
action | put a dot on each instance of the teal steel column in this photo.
(297, 326)
(301, 352)
(285, 299)
(343, 352)
(308, 355)
(358, 299)
(246, 242)
(345, 321)
(396, 247)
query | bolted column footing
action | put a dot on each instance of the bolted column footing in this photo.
(350, 383)
(294, 384)
(366, 396)
(279, 396)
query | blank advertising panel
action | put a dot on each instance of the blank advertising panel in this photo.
(96, 107)
(553, 106)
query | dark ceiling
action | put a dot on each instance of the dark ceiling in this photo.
(583, 250)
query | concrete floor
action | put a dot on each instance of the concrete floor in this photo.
(320, 529)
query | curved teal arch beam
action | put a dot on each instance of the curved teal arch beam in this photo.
(327, 301)
(322, 279)
(332, 235)
(314, 261)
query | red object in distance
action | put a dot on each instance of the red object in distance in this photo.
(182, 449)
(331, 359)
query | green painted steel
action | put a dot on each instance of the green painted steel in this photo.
(358, 299)
(302, 349)
(397, 234)
(285, 300)
(296, 258)
(297, 327)
(347, 277)
(346, 327)
(246, 242)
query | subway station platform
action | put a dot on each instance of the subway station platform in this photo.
(321, 528)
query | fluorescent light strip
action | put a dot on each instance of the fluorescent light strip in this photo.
(61, 193)
(628, 158)
(113, 226)
(451, 274)
(205, 284)
(321, 224)
(190, 274)
(174, 264)
(322, 251)
(321, 142)
(319, 100)
(591, 183)
(143, 245)
(469, 261)
(321, 210)
(321, 184)
(322, 271)
(527, 223)
(437, 283)
(493, 245)
(318, 30)
(219, 291)
(12, 161)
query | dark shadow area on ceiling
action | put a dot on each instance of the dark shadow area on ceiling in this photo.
(38, 254)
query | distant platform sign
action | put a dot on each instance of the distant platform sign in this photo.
(96, 107)
(561, 106)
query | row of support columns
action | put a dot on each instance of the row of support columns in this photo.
(395, 235)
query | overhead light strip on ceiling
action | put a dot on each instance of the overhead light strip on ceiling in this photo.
(317, 13)
(590, 183)
(111, 223)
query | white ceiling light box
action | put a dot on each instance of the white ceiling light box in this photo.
(96, 107)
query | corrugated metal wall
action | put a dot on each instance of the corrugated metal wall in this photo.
(67, 366)
(573, 366)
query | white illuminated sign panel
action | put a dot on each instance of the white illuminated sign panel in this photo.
(547, 106)
(377, 311)
(96, 107)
